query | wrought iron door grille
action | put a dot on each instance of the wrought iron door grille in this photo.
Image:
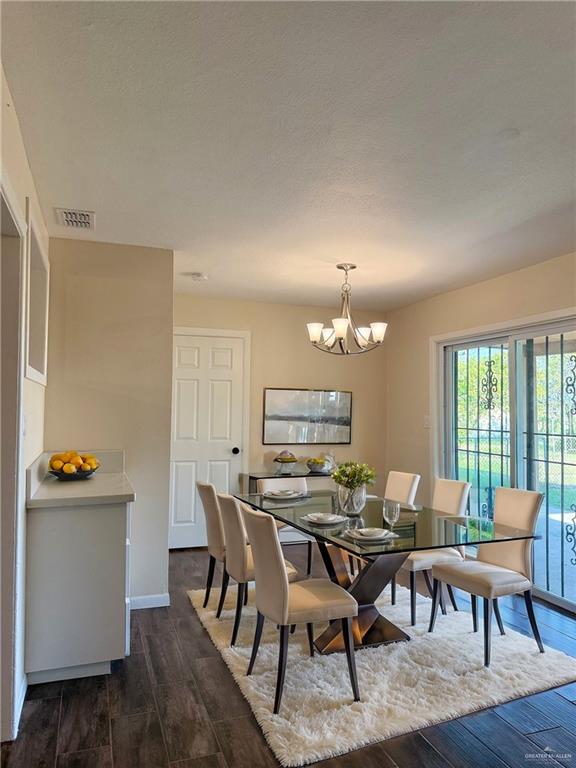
(482, 422)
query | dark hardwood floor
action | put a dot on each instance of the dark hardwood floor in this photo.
(173, 702)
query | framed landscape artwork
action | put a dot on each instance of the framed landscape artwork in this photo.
(307, 417)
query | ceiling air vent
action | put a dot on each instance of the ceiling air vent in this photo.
(69, 217)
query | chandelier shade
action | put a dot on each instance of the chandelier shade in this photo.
(344, 337)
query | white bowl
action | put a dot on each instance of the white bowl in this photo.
(323, 517)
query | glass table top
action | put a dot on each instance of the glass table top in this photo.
(418, 527)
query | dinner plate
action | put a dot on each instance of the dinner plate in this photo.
(284, 494)
(323, 518)
(354, 533)
(372, 533)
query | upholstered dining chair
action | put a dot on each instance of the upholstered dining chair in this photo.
(239, 561)
(287, 484)
(402, 487)
(451, 498)
(216, 540)
(299, 602)
(501, 568)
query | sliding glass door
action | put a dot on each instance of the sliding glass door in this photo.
(547, 453)
(510, 405)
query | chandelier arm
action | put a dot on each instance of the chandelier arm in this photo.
(353, 326)
(334, 351)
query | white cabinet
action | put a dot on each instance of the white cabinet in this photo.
(77, 575)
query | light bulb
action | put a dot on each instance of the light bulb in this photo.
(378, 331)
(340, 326)
(315, 331)
(363, 336)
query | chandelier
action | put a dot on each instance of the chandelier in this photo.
(345, 337)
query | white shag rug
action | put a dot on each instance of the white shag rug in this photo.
(403, 686)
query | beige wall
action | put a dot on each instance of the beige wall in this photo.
(542, 288)
(283, 357)
(109, 377)
(19, 185)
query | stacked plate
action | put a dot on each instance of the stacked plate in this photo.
(324, 518)
(285, 494)
(370, 534)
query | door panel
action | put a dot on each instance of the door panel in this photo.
(207, 423)
(481, 422)
(183, 492)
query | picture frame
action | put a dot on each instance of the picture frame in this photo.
(293, 416)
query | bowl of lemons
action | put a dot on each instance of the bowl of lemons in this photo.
(72, 465)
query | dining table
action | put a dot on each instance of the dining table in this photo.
(418, 528)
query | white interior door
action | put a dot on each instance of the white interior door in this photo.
(208, 424)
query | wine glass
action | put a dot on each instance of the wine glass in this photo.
(391, 513)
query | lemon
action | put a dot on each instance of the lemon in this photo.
(70, 469)
(93, 463)
(77, 461)
(85, 467)
(57, 464)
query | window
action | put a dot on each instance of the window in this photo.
(510, 420)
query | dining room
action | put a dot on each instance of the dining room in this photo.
(288, 384)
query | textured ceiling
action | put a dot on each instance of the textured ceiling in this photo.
(431, 143)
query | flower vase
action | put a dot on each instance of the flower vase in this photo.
(352, 500)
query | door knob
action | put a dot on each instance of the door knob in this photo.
(235, 451)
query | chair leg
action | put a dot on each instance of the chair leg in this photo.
(474, 601)
(451, 596)
(225, 579)
(351, 564)
(281, 666)
(496, 609)
(426, 575)
(487, 630)
(349, 645)
(532, 617)
(310, 631)
(292, 629)
(442, 600)
(309, 559)
(239, 603)
(246, 595)
(256, 643)
(435, 602)
(211, 566)
(413, 598)
(393, 590)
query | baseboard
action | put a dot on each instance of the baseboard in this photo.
(149, 601)
(70, 673)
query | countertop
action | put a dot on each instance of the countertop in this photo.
(100, 488)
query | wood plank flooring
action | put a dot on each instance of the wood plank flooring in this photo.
(174, 704)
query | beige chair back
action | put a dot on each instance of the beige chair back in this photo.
(282, 484)
(214, 529)
(518, 509)
(450, 496)
(402, 487)
(269, 569)
(235, 535)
